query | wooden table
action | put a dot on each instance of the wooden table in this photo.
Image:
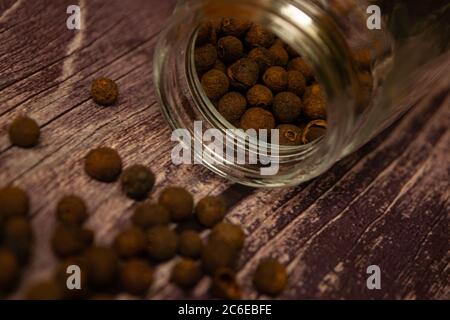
(388, 204)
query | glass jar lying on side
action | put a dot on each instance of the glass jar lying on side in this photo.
(371, 74)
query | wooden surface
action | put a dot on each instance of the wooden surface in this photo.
(388, 204)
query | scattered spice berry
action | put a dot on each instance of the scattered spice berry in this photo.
(13, 202)
(71, 209)
(9, 271)
(296, 82)
(45, 290)
(281, 57)
(178, 201)
(257, 118)
(150, 214)
(286, 107)
(224, 285)
(314, 130)
(101, 267)
(235, 27)
(215, 83)
(259, 36)
(230, 49)
(210, 210)
(104, 91)
(315, 103)
(186, 273)
(232, 106)
(103, 164)
(130, 242)
(24, 132)
(69, 240)
(276, 79)
(263, 57)
(162, 243)
(218, 254)
(228, 233)
(270, 277)
(190, 244)
(137, 181)
(18, 237)
(205, 57)
(136, 276)
(260, 96)
(290, 135)
(243, 73)
(299, 64)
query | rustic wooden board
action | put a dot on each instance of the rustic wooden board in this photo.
(388, 204)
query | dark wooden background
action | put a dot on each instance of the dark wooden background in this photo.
(388, 204)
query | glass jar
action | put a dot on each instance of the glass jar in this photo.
(371, 76)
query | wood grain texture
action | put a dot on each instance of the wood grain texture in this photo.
(388, 204)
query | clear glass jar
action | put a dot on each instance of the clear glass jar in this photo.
(370, 77)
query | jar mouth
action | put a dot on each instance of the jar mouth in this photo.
(300, 24)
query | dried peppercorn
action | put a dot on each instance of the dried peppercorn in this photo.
(205, 57)
(186, 273)
(225, 286)
(18, 236)
(104, 91)
(101, 266)
(276, 79)
(13, 202)
(230, 49)
(314, 130)
(24, 132)
(259, 36)
(243, 73)
(130, 242)
(162, 243)
(178, 201)
(210, 210)
(228, 233)
(286, 107)
(45, 290)
(218, 254)
(61, 276)
(315, 103)
(149, 214)
(103, 164)
(260, 96)
(263, 57)
(289, 135)
(71, 209)
(136, 276)
(69, 240)
(137, 181)
(270, 277)
(296, 82)
(9, 271)
(215, 83)
(190, 244)
(19, 247)
(280, 55)
(234, 26)
(257, 118)
(300, 64)
(232, 106)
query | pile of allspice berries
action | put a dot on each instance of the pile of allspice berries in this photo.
(169, 228)
(256, 81)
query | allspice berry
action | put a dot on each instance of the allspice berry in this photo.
(186, 273)
(178, 201)
(210, 210)
(9, 271)
(286, 107)
(257, 118)
(45, 290)
(162, 243)
(101, 267)
(243, 73)
(71, 209)
(315, 103)
(204, 33)
(276, 78)
(24, 132)
(263, 57)
(136, 276)
(137, 181)
(232, 106)
(228, 233)
(103, 164)
(17, 238)
(300, 64)
(230, 49)
(69, 240)
(280, 55)
(225, 286)
(190, 244)
(259, 36)
(130, 242)
(215, 83)
(218, 254)
(13, 202)
(296, 82)
(104, 91)
(205, 57)
(219, 65)
(289, 135)
(260, 96)
(270, 277)
(236, 27)
(149, 214)
(314, 130)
